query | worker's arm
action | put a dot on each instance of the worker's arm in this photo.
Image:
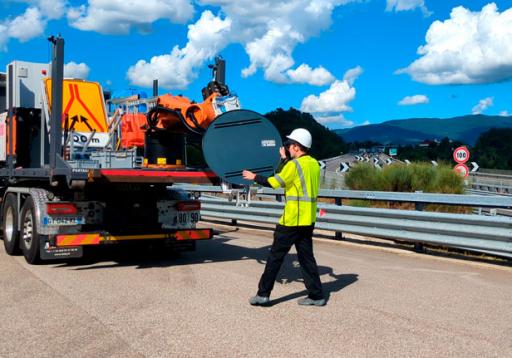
(260, 179)
(285, 177)
(263, 180)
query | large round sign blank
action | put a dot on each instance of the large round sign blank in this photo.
(239, 140)
(462, 169)
(461, 155)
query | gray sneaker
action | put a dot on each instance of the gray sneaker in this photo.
(306, 301)
(259, 301)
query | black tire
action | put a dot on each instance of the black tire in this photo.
(29, 238)
(10, 231)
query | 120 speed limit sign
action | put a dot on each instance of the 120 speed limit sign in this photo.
(462, 169)
(461, 155)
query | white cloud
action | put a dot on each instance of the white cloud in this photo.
(413, 100)
(32, 22)
(482, 105)
(305, 74)
(329, 105)
(51, 9)
(4, 37)
(470, 47)
(365, 123)
(176, 70)
(335, 98)
(504, 113)
(336, 119)
(76, 70)
(120, 16)
(351, 75)
(407, 5)
(27, 26)
(268, 30)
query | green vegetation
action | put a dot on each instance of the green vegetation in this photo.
(326, 144)
(406, 178)
(442, 151)
(402, 178)
(493, 150)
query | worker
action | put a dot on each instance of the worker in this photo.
(300, 177)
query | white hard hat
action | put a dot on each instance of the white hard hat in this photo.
(301, 136)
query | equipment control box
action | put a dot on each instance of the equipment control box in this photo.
(24, 83)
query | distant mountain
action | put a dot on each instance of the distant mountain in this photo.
(466, 129)
(382, 133)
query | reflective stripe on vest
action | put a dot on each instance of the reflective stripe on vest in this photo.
(296, 198)
(279, 180)
(305, 196)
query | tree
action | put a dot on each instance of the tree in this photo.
(493, 149)
(326, 144)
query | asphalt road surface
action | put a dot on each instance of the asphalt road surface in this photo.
(382, 303)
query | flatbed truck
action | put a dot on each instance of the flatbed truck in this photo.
(52, 206)
(73, 176)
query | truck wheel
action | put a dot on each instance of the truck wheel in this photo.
(28, 234)
(10, 225)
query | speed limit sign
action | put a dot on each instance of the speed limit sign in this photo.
(462, 169)
(461, 155)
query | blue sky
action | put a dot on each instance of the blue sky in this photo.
(348, 62)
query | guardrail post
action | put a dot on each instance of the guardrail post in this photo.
(338, 235)
(234, 222)
(418, 246)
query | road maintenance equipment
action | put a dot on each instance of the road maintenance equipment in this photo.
(76, 171)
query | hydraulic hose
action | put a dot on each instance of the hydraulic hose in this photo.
(152, 118)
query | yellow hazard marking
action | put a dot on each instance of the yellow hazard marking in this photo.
(83, 104)
(136, 237)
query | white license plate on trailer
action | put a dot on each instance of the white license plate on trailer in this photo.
(63, 220)
(187, 218)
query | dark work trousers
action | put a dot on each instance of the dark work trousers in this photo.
(284, 238)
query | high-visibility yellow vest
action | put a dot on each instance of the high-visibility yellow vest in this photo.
(300, 179)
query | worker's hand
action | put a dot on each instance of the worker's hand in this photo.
(282, 153)
(248, 175)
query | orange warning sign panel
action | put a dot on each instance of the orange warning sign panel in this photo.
(82, 105)
(78, 239)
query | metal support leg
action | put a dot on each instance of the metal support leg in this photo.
(418, 246)
(338, 235)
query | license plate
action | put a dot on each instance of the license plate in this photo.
(64, 220)
(187, 218)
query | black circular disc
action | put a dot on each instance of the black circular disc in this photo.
(239, 140)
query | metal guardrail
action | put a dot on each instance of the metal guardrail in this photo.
(487, 234)
(419, 198)
(492, 187)
(494, 183)
(479, 233)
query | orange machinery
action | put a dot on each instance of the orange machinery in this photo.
(161, 130)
